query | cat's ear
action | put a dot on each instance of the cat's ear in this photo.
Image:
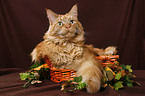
(51, 16)
(74, 12)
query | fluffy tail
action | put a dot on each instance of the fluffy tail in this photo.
(91, 74)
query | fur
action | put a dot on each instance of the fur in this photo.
(64, 44)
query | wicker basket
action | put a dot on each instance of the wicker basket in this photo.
(59, 75)
(108, 59)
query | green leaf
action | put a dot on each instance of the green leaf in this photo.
(118, 76)
(116, 63)
(127, 81)
(109, 75)
(118, 85)
(128, 67)
(129, 84)
(77, 79)
(81, 85)
(24, 76)
(104, 79)
(35, 65)
(123, 66)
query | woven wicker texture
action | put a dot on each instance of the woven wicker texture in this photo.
(59, 75)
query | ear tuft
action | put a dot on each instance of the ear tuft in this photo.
(74, 11)
(51, 16)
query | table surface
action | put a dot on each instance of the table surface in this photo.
(11, 85)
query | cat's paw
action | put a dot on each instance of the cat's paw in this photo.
(34, 55)
(111, 50)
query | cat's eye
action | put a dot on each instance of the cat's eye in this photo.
(72, 21)
(60, 23)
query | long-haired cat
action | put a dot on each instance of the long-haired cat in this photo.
(64, 44)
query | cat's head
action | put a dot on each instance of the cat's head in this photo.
(65, 27)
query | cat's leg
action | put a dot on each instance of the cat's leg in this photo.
(98, 51)
(37, 53)
(110, 50)
(90, 70)
(34, 55)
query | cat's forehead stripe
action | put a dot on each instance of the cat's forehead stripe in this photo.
(64, 17)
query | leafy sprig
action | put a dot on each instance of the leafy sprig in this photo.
(117, 76)
(36, 74)
(73, 85)
(31, 77)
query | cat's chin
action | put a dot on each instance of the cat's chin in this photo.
(66, 36)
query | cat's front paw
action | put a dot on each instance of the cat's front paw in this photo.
(34, 55)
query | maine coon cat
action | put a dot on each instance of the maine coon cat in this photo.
(64, 44)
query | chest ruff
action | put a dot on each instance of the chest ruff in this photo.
(65, 55)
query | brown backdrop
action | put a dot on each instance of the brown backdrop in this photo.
(119, 23)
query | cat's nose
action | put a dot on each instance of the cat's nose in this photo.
(68, 26)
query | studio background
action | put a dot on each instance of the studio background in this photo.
(118, 23)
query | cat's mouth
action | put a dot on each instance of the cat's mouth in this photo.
(67, 34)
